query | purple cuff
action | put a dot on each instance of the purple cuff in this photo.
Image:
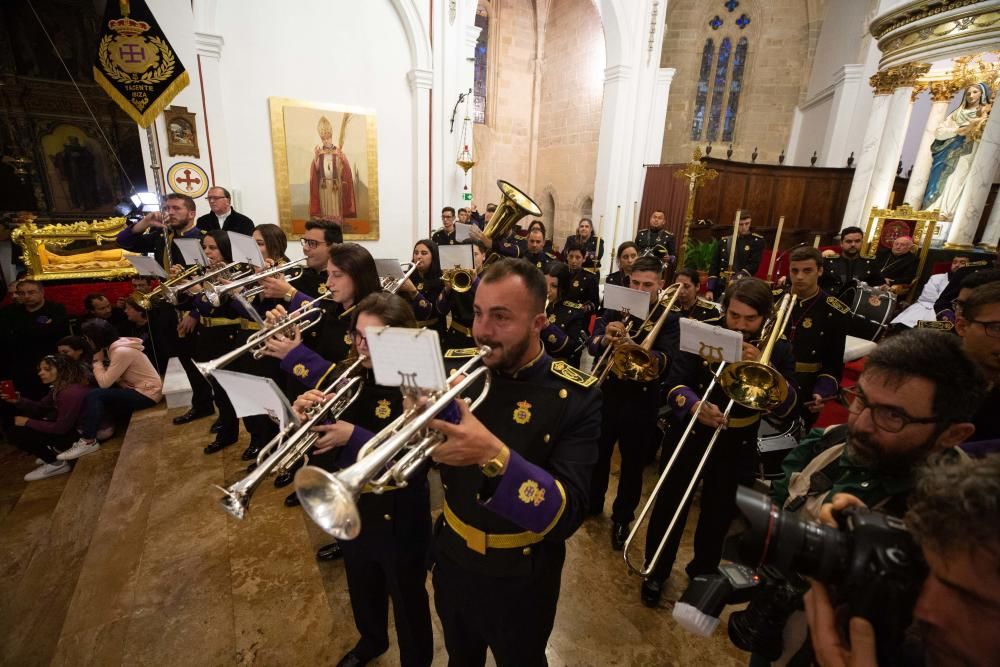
(423, 309)
(825, 386)
(348, 454)
(528, 496)
(297, 300)
(681, 399)
(202, 306)
(306, 366)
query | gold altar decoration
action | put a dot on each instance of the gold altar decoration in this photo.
(916, 27)
(73, 251)
(920, 225)
(902, 76)
(696, 174)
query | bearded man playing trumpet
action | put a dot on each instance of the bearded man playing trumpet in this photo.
(746, 305)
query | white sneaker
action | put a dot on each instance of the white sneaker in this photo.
(80, 448)
(47, 470)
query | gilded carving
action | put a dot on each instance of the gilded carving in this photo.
(901, 76)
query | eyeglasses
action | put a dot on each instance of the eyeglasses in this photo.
(310, 243)
(885, 417)
(992, 328)
(359, 337)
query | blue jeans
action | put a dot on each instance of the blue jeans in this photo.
(117, 400)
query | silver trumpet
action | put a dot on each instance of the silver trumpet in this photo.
(292, 444)
(388, 459)
(215, 292)
(227, 272)
(304, 317)
(392, 285)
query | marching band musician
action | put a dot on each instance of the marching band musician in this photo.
(535, 251)
(746, 305)
(388, 559)
(546, 243)
(818, 333)
(566, 333)
(154, 234)
(630, 406)
(459, 305)
(628, 252)
(843, 272)
(583, 282)
(656, 240)
(425, 285)
(584, 238)
(445, 235)
(749, 251)
(515, 475)
(689, 304)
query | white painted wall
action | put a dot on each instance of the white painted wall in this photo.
(844, 28)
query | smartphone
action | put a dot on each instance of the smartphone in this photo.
(7, 390)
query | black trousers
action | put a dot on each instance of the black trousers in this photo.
(372, 578)
(512, 616)
(42, 445)
(629, 418)
(201, 390)
(731, 463)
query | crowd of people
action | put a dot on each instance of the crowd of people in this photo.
(533, 461)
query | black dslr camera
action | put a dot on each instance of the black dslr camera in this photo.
(871, 563)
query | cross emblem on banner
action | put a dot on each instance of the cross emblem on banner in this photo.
(132, 53)
(188, 180)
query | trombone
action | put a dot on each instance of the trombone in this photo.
(302, 317)
(214, 292)
(280, 453)
(388, 459)
(752, 384)
(392, 285)
(603, 365)
(145, 300)
(630, 361)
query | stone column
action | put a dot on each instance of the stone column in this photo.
(902, 80)
(977, 189)
(991, 236)
(866, 160)
(421, 83)
(941, 94)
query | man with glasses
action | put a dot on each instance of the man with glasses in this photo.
(979, 326)
(916, 397)
(446, 234)
(949, 304)
(223, 215)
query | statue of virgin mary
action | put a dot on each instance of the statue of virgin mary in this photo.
(954, 147)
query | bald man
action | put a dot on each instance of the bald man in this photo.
(898, 266)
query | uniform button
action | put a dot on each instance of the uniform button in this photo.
(388, 517)
(864, 485)
(563, 393)
(546, 438)
(526, 551)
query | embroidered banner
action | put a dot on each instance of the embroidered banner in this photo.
(135, 64)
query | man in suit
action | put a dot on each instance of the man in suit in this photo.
(223, 216)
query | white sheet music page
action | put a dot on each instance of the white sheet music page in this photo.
(413, 354)
(389, 268)
(462, 231)
(146, 266)
(245, 250)
(714, 343)
(255, 395)
(635, 301)
(455, 256)
(191, 251)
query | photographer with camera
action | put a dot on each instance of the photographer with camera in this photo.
(954, 516)
(917, 396)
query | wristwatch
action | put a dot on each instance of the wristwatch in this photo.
(289, 294)
(495, 465)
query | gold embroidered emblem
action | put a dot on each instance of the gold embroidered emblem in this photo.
(522, 413)
(347, 339)
(807, 323)
(552, 319)
(382, 410)
(576, 283)
(874, 300)
(574, 375)
(746, 248)
(300, 371)
(322, 288)
(420, 287)
(680, 400)
(530, 493)
(552, 338)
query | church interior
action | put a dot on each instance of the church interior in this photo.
(815, 116)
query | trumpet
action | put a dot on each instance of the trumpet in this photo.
(753, 384)
(281, 453)
(302, 317)
(392, 285)
(145, 300)
(389, 458)
(215, 292)
(460, 280)
(228, 272)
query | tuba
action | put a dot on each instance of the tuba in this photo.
(513, 206)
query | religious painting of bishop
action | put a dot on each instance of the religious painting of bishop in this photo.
(325, 166)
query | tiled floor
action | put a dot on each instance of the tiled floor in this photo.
(135, 564)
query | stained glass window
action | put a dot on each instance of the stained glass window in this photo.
(479, 85)
(719, 90)
(735, 86)
(743, 21)
(731, 5)
(701, 95)
(716, 22)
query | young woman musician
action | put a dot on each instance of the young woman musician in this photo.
(424, 288)
(592, 245)
(566, 333)
(387, 560)
(628, 252)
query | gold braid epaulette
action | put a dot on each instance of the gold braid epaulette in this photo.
(572, 374)
(461, 353)
(838, 304)
(941, 325)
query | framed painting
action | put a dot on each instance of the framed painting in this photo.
(77, 168)
(182, 134)
(325, 166)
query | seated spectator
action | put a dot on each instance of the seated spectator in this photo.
(76, 348)
(29, 330)
(126, 379)
(46, 427)
(98, 305)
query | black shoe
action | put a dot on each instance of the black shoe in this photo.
(330, 552)
(219, 444)
(251, 452)
(651, 592)
(191, 415)
(292, 500)
(251, 467)
(619, 533)
(284, 479)
(352, 659)
(216, 426)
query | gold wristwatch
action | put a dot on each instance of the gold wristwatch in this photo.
(495, 465)
(288, 295)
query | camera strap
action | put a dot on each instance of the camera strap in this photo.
(808, 488)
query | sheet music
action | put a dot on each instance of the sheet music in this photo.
(245, 249)
(636, 301)
(453, 256)
(712, 342)
(398, 352)
(146, 266)
(192, 251)
(389, 268)
(255, 395)
(463, 232)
